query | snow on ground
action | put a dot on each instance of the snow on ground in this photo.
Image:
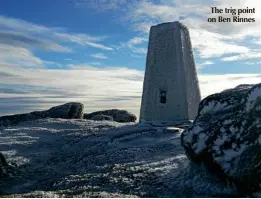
(83, 158)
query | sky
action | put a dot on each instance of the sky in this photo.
(94, 51)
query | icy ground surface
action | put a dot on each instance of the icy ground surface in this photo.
(82, 158)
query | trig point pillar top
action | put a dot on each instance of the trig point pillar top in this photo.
(170, 89)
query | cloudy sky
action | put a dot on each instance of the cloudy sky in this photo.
(94, 51)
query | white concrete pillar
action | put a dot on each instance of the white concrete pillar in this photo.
(170, 89)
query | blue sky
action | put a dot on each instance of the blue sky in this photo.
(94, 51)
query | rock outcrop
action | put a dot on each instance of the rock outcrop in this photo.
(3, 164)
(102, 117)
(226, 136)
(121, 116)
(71, 110)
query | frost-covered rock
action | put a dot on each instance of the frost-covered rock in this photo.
(117, 115)
(2, 160)
(84, 158)
(3, 164)
(102, 117)
(71, 110)
(226, 136)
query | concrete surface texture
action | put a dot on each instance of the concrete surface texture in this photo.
(170, 90)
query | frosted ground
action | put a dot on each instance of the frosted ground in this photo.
(84, 158)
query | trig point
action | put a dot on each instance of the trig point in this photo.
(170, 89)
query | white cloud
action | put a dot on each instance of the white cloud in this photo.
(99, 56)
(209, 39)
(19, 56)
(21, 25)
(210, 84)
(22, 58)
(134, 44)
(100, 46)
(21, 40)
(145, 13)
(52, 34)
(100, 88)
(252, 63)
(258, 42)
(153, 11)
(203, 64)
(140, 50)
(241, 30)
(207, 63)
(97, 88)
(76, 38)
(214, 45)
(244, 56)
(136, 41)
(143, 27)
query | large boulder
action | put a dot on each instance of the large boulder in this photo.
(71, 110)
(226, 136)
(15, 119)
(117, 115)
